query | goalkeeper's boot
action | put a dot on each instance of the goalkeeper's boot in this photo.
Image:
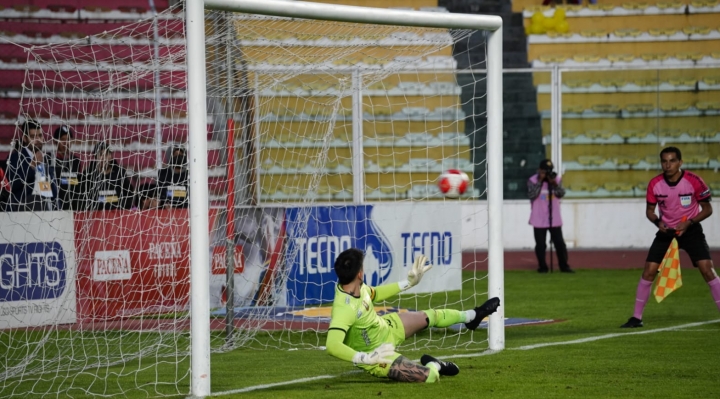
(483, 311)
(446, 368)
(632, 322)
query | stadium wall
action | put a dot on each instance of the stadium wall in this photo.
(609, 223)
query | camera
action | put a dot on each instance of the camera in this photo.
(552, 174)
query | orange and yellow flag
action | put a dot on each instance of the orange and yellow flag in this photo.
(670, 277)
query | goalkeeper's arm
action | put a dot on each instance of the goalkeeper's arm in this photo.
(419, 268)
(337, 348)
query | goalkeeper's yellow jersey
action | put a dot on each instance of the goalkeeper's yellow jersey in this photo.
(364, 329)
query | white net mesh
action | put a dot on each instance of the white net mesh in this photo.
(333, 136)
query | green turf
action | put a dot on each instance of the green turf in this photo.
(590, 303)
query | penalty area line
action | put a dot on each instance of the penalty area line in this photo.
(484, 353)
(615, 335)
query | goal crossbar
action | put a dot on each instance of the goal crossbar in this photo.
(197, 121)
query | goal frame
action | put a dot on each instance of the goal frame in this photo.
(197, 145)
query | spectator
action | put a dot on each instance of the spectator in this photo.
(544, 190)
(147, 197)
(4, 190)
(106, 185)
(67, 169)
(30, 173)
(173, 180)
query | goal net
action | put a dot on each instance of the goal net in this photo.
(320, 136)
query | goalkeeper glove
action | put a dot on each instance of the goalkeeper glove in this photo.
(381, 355)
(419, 268)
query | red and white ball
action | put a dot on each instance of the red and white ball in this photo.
(453, 183)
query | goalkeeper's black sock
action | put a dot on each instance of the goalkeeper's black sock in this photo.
(483, 311)
(444, 368)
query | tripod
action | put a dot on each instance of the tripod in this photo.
(550, 220)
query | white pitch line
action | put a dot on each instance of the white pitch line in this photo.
(606, 336)
(484, 353)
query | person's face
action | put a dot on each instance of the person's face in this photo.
(34, 138)
(63, 143)
(670, 164)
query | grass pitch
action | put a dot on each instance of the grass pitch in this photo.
(585, 355)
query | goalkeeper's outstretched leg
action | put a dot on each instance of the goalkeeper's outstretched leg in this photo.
(414, 322)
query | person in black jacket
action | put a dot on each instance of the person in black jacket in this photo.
(173, 180)
(107, 186)
(30, 173)
(67, 169)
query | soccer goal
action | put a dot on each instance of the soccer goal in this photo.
(346, 37)
(309, 128)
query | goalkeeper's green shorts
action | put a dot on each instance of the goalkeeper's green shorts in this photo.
(396, 337)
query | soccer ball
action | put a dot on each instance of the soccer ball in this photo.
(453, 183)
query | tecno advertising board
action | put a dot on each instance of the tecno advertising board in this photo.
(37, 269)
(391, 235)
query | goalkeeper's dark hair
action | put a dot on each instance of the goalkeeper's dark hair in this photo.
(348, 264)
(668, 150)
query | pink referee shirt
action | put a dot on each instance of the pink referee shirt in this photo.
(679, 199)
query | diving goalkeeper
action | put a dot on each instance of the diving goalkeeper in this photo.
(358, 334)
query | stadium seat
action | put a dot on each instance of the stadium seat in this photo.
(605, 108)
(674, 133)
(599, 134)
(627, 160)
(573, 109)
(635, 6)
(591, 160)
(633, 108)
(586, 187)
(617, 186)
(628, 32)
(708, 105)
(621, 57)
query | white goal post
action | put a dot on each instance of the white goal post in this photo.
(197, 118)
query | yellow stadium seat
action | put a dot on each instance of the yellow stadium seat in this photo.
(605, 108)
(632, 133)
(642, 186)
(711, 80)
(652, 160)
(707, 105)
(601, 7)
(646, 82)
(573, 109)
(588, 187)
(627, 160)
(618, 186)
(613, 83)
(669, 4)
(553, 34)
(674, 133)
(654, 56)
(682, 81)
(594, 33)
(591, 160)
(639, 107)
(574, 84)
(696, 30)
(621, 57)
(599, 134)
(715, 186)
(701, 159)
(715, 54)
(690, 56)
(553, 59)
(630, 32)
(635, 6)
(703, 133)
(675, 107)
(586, 58)
(570, 134)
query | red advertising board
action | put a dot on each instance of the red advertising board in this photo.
(131, 263)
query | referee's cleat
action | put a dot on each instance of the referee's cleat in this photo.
(446, 368)
(632, 322)
(483, 311)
